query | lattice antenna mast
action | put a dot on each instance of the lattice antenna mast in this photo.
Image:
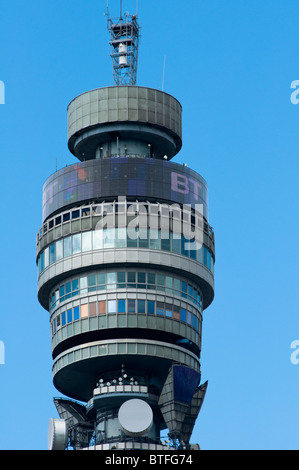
(124, 41)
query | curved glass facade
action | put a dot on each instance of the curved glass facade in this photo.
(99, 281)
(121, 312)
(120, 238)
(125, 299)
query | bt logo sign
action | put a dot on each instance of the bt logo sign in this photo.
(184, 184)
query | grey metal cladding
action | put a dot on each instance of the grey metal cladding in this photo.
(126, 103)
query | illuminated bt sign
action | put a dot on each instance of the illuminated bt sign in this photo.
(106, 179)
(185, 185)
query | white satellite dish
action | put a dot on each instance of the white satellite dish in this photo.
(135, 417)
(57, 434)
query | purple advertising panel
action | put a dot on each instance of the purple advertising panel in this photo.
(131, 177)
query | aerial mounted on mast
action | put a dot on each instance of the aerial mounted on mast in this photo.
(125, 35)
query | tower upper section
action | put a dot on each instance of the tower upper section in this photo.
(124, 121)
(125, 260)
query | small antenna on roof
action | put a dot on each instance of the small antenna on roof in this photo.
(163, 74)
(124, 41)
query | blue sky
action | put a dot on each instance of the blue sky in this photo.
(231, 64)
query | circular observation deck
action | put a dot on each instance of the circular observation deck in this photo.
(127, 120)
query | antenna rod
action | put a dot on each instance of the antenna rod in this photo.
(163, 74)
(121, 8)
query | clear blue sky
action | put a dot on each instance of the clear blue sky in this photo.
(230, 63)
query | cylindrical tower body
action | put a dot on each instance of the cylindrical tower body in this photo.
(125, 262)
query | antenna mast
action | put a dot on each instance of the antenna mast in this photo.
(124, 41)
